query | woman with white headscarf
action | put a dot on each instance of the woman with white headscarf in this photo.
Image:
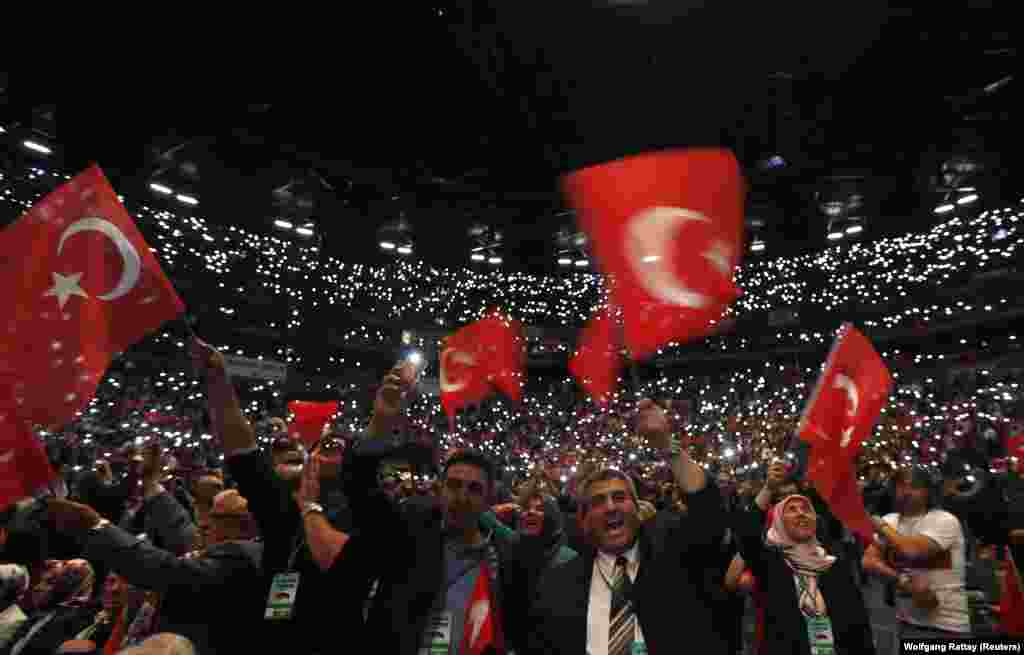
(813, 604)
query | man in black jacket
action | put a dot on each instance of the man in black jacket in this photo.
(634, 585)
(298, 536)
(208, 596)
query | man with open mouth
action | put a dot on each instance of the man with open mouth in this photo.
(638, 587)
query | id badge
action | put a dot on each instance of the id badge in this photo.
(819, 635)
(281, 602)
(438, 638)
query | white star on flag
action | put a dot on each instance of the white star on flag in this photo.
(65, 286)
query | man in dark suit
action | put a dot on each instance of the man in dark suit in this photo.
(210, 596)
(635, 586)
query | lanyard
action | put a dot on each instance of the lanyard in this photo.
(297, 543)
(625, 572)
(805, 592)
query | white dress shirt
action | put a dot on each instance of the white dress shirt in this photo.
(601, 599)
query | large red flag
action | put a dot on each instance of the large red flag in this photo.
(598, 357)
(478, 358)
(482, 628)
(80, 285)
(845, 404)
(309, 419)
(668, 228)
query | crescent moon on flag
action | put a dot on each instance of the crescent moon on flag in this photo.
(649, 237)
(847, 385)
(132, 262)
(458, 357)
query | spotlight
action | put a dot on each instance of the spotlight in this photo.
(835, 235)
(387, 245)
(945, 208)
(188, 200)
(855, 229)
(582, 262)
(757, 246)
(161, 188)
(283, 224)
(565, 261)
(304, 231)
(494, 259)
(404, 250)
(968, 199)
(35, 146)
(478, 257)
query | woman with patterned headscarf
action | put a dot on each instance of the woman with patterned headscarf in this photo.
(812, 602)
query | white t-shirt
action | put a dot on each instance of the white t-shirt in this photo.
(945, 571)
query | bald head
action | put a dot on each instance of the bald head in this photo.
(164, 643)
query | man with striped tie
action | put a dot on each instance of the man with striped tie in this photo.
(637, 588)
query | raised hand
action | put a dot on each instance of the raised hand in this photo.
(653, 424)
(776, 475)
(309, 486)
(71, 518)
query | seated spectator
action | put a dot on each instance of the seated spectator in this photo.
(62, 605)
(14, 582)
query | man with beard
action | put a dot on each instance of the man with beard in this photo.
(627, 591)
(921, 549)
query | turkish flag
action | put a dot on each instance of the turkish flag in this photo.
(1011, 605)
(309, 419)
(479, 358)
(845, 404)
(598, 361)
(24, 466)
(81, 285)
(668, 228)
(482, 628)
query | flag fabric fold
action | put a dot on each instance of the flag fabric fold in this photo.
(309, 419)
(598, 359)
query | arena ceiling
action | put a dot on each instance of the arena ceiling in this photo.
(473, 110)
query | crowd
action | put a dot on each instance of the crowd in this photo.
(186, 518)
(376, 539)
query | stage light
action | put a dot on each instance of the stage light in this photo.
(835, 235)
(283, 224)
(582, 262)
(757, 246)
(304, 231)
(855, 229)
(188, 200)
(494, 260)
(404, 250)
(968, 199)
(387, 245)
(945, 208)
(478, 257)
(160, 188)
(35, 146)
(565, 261)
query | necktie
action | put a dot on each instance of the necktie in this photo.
(622, 622)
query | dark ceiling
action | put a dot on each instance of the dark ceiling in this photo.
(476, 108)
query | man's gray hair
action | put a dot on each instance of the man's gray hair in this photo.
(603, 475)
(165, 643)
